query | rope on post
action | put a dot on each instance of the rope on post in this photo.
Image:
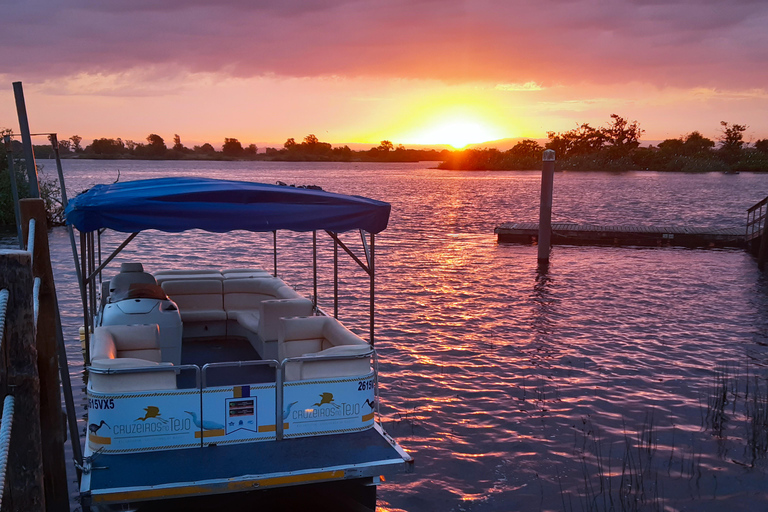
(4, 294)
(31, 239)
(36, 298)
(5, 441)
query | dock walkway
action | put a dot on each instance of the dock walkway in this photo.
(648, 236)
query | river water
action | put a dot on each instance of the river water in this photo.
(616, 379)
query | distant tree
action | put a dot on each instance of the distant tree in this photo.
(156, 145)
(177, 145)
(106, 147)
(731, 141)
(205, 149)
(76, 139)
(527, 149)
(762, 145)
(311, 140)
(289, 143)
(232, 147)
(386, 146)
(732, 136)
(621, 135)
(251, 149)
(696, 144)
(65, 146)
(580, 141)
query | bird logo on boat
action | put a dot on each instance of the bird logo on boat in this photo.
(93, 428)
(205, 424)
(327, 398)
(152, 412)
(287, 410)
(370, 403)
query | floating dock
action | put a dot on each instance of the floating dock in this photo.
(646, 236)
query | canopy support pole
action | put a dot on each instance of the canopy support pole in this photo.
(84, 297)
(274, 251)
(335, 278)
(314, 267)
(373, 291)
(110, 257)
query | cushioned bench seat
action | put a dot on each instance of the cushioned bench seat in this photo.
(255, 306)
(201, 306)
(321, 338)
(192, 274)
(118, 347)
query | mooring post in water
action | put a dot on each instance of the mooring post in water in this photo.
(51, 425)
(24, 490)
(545, 206)
(26, 140)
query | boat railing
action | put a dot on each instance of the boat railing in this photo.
(756, 219)
(238, 364)
(149, 369)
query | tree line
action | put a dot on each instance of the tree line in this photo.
(309, 149)
(616, 147)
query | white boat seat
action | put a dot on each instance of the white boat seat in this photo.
(123, 382)
(130, 273)
(128, 346)
(320, 337)
(200, 304)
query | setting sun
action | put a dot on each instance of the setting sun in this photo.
(458, 133)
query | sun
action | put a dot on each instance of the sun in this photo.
(457, 132)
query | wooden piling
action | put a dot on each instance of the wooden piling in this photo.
(545, 206)
(762, 254)
(25, 489)
(26, 140)
(51, 425)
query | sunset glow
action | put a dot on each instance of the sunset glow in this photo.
(458, 133)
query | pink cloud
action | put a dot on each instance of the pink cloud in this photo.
(714, 43)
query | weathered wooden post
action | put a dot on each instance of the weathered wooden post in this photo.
(14, 190)
(762, 254)
(26, 139)
(25, 489)
(51, 426)
(545, 206)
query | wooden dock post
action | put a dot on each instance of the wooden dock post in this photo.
(545, 206)
(762, 254)
(51, 424)
(26, 140)
(25, 489)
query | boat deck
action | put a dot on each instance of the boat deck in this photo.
(123, 478)
(200, 352)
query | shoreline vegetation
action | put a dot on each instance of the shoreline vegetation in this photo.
(311, 149)
(616, 147)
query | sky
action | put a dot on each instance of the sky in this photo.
(361, 71)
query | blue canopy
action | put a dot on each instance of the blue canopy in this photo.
(178, 204)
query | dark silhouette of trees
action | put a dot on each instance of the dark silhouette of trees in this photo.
(731, 141)
(232, 147)
(111, 147)
(177, 145)
(155, 145)
(76, 139)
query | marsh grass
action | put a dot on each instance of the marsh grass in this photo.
(630, 475)
(737, 410)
